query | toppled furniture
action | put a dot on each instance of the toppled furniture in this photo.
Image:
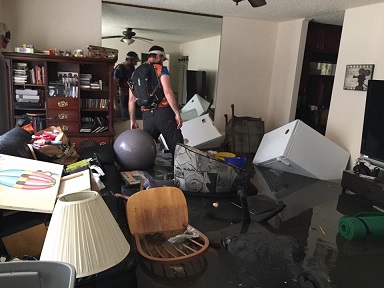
(196, 172)
(243, 134)
(158, 219)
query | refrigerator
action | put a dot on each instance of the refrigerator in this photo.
(299, 149)
(200, 133)
(297, 192)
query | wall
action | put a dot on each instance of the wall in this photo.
(7, 18)
(245, 68)
(204, 56)
(50, 24)
(286, 71)
(362, 42)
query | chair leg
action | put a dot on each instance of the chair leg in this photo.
(244, 204)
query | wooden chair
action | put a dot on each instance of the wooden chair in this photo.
(154, 216)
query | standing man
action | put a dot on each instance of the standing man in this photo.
(121, 75)
(165, 117)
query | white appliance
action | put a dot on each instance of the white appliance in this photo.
(196, 102)
(299, 149)
(200, 133)
(188, 115)
(297, 192)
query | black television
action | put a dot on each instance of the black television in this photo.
(372, 142)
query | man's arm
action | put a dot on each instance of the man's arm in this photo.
(131, 110)
(165, 82)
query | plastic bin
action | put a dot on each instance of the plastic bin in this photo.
(37, 274)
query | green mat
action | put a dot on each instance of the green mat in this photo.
(362, 225)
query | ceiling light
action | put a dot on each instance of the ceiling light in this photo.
(127, 41)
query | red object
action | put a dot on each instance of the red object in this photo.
(48, 135)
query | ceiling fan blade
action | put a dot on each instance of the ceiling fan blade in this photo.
(142, 38)
(257, 3)
(109, 37)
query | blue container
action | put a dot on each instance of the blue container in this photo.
(236, 161)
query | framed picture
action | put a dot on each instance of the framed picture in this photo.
(357, 76)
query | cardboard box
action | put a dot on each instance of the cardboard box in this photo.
(76, 182)
(23, 234)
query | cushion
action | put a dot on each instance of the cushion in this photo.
(14, 143)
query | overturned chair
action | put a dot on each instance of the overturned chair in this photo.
(158, 219)
(243, 134)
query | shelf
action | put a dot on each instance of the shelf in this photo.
(65, 112)
(94, 110)
(30, 109)
(29, 85)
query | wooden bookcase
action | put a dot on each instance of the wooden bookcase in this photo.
(63, 99)
(315, 90)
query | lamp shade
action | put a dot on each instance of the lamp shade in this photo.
(128, 41)
(83, 233)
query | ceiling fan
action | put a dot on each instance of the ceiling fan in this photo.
(254, 3)
(128, 37)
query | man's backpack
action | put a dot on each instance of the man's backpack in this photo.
(145, 85)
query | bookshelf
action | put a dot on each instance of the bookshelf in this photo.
(71, 92)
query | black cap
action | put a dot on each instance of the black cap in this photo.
(132, 55)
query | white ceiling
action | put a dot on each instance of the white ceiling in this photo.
(176, 27)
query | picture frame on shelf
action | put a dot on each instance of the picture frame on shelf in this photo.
(357, 76)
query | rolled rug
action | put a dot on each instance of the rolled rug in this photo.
(362, 225)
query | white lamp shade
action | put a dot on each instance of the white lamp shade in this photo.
(83, 232)
(128, 41)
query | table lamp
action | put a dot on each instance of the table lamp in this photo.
(83, 232)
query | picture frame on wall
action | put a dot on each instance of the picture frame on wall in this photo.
(357, 76)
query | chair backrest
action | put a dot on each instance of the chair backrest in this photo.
(156, 210)
(243, 134)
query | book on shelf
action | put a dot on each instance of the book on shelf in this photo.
(94, 124)
(95, 103)
(39, 79)
(20, 73)
(38, 120)
(20, 79)
(32, 76)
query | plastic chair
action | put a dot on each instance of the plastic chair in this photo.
(158, 215)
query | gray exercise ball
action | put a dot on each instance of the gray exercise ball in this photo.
(135, 150)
